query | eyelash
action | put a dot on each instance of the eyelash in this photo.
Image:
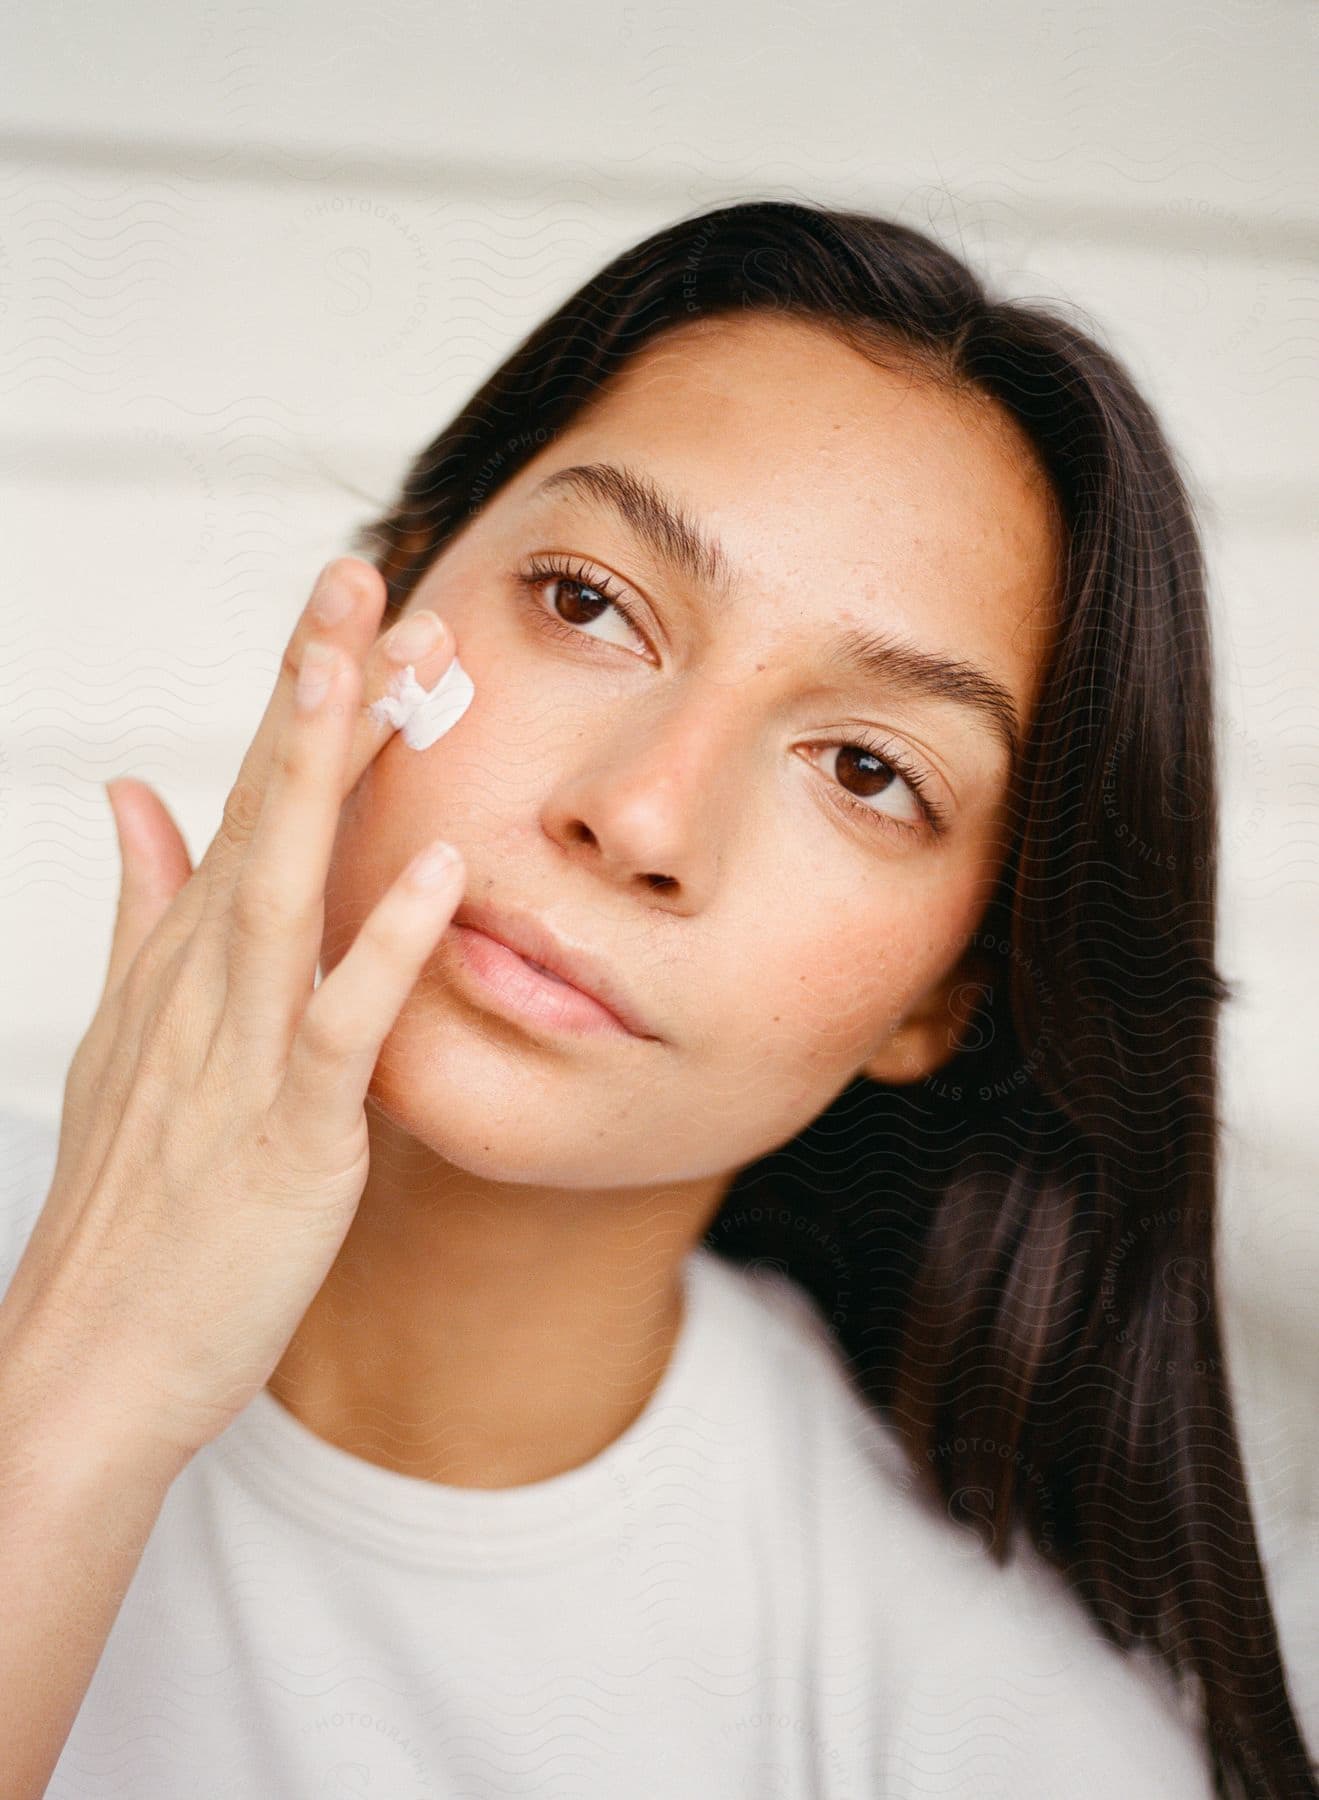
(538, 572)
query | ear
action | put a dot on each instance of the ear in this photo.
(939, 1024)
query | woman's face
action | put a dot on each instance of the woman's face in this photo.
(709, 799)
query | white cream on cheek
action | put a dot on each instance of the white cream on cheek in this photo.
(425, 713)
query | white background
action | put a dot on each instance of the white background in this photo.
(253, 258)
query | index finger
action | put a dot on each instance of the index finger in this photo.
(344, 609)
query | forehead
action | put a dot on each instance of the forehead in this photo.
(864, 490)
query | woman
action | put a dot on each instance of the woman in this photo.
(782, 1356)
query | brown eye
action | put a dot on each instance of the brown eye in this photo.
(870, 773)
(575, 604)
(578, 611)
(884, 787)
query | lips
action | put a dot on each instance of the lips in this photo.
(542, 970)
(556, 957)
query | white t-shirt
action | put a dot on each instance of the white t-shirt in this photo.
(739, 1597)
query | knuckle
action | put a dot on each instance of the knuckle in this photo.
(261, 905)
(164, 947)
(242, 809)
(172, 1024)
(143, 974)
(236, 1066)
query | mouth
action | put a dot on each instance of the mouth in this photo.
(525, 971)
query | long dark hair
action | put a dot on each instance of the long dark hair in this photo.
(1016, 1255)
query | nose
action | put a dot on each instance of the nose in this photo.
(648, 801)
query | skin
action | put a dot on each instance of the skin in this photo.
(508, 1294)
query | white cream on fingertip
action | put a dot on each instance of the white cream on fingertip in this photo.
(424, 714)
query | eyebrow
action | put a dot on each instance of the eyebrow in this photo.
(681, 542)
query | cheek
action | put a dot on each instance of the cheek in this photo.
(824, 1002)
(406, 797)
(830, 996)
(382, 824)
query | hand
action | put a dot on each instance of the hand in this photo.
(213, 1144)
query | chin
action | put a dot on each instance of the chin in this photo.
(487, 1107)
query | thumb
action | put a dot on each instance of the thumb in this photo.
(154, 865)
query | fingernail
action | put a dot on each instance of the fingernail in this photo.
(412, 637)
(332, 601)
(314, 674)
(433, 864)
